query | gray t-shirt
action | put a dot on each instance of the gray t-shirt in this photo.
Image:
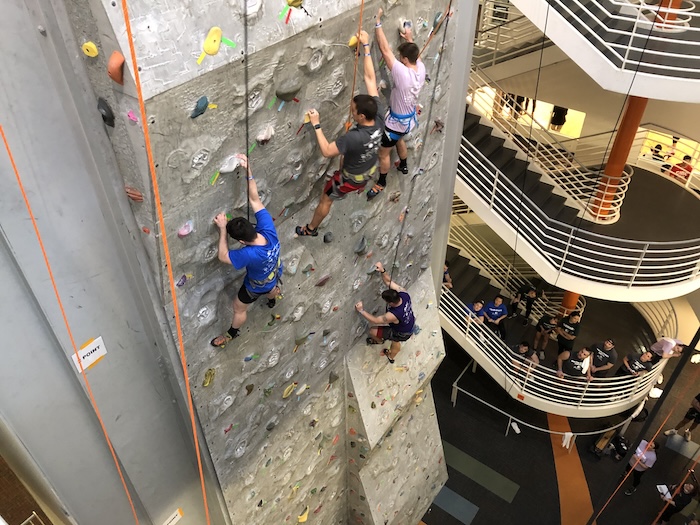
(360, 145)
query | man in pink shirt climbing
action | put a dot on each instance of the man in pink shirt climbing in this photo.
(408, 76)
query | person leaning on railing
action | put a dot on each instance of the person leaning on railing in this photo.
(475, 311)
(635, 364)
(575, 364)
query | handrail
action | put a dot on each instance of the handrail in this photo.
(536, 385)
(579, 182)
(572, 251)
(660, 316)
(638, 36)
(504, 273)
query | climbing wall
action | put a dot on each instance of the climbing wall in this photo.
(285, 443)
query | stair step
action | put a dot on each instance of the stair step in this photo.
(525, 181)
(465, 280)
(477, 134)
(554, 205)
(474, 291)
(540, 194)
(567, 215)
(470, 121)
(490, 146)
(503, 157)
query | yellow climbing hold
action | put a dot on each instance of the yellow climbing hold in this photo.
(294, 3)
(90, 49)
(288, 391)
(304, 515)
(209, 377)
(353, 41)
(212, 106)
(213, 41)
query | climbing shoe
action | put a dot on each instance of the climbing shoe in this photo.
(221, 340)
(402, 167)
(371, 341)
(305, 231)
(386, 353)
(376, 190)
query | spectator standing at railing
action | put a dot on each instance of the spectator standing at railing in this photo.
(677, 503)
(635, 364)
(523, 350)
(567, 331)
(545, 327)
(529, 294)
(495, 313)
(446, 278)
(604, 357)
(665, 348)
(575, 364)
(681, 171)
(475, 311)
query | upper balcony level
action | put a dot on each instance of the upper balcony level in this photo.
(636, 48)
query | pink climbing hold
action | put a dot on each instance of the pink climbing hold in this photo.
(186, 229)
(132, 116)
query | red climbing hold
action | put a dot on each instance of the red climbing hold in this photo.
(134, 194)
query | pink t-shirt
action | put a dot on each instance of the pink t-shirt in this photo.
(404, 95)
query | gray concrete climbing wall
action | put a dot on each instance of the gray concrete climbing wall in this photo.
(282, 437)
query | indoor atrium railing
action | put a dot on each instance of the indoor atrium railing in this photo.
(538, 385)
(639, 36)
(660, 316)
(568, 249)
(580, 183)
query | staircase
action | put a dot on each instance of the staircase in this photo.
(517, 170)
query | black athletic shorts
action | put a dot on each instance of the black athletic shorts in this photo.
(693, 414)
(388, 333)
(391, 137)
(246, 296)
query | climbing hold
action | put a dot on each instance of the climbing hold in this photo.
(265, 135)
(288, 90)
(182, 280)
(307, 270)
(360, 246)
(288, 391)
(90, 49)
(332, 378)
(300, 341)
(336, 439)
(323, 280)
(351, 409)
(208, 377)
(200, 107)
(250, 357)
(438, 126)
(212, 42)
(294, 3)
(228, 429)
(318, 509)
(313, 424)
(403, 213)
(270, 426)
(352, 42)
(302, 389)
(328, 237)
(134, 194)
(230, 164)
(115, 67)
(373, 405)
(352, 432)
(185, 229)
(304, 515)
(132, 116)
(421, 376)
(275, 317)
(106, 112)
(395, 196)
(249, 388)
(145, 230)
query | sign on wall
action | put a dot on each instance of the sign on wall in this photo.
(90, 353)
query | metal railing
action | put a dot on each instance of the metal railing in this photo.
(572, 251)
(593, 150)
(511, 39)
(586, 188)
(639, 36)
(509, 277)
(537, 385)
(661, 317)
(34, 519)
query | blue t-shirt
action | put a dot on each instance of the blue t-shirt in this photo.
(470, 310)
(263, 263)
(494, 312)
(404, 314)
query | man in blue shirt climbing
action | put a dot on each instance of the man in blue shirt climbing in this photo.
(259, 255)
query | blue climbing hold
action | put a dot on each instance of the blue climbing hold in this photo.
(200, 107)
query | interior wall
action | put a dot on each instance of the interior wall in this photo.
(567, 85)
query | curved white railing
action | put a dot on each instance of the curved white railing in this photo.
(536, 385)
(660, 316)
(569, 250)
(510, 39)
(640, 36)
(507, 276)
(579, 182)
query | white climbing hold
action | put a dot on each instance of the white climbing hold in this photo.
(230, 164)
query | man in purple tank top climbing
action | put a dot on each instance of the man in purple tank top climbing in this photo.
(397, 324)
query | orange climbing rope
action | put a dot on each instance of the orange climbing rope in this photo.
(354, 73)
(166, 251)
(658, 431)
(67, 324)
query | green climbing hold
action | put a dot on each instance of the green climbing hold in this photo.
(200, 107)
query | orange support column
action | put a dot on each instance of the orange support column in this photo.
(665, 16)
(569, 302)
(607, 186)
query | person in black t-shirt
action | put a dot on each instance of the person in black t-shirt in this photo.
(529, 294)
(523, 350)
(635, 364)
(680, 501)
(693, 414)
(604, 357)
(545, 327)
(574, 364)
(359, 146)
(567, 331)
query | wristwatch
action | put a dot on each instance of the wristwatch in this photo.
(317, 126)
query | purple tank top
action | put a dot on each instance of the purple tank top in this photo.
(404, 313)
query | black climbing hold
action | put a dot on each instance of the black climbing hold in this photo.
(361, 246)
(106, 112)
(200, 107)
(270, 426)
(328, 237)
(332, 377)
(288, 89)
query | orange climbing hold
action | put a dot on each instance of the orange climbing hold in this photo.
(115, 67)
